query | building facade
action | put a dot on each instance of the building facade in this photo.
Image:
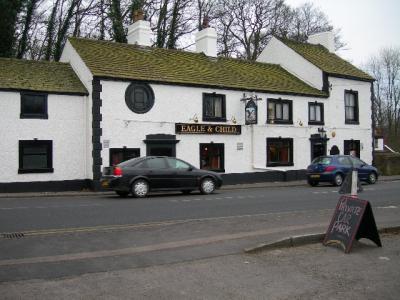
(251, 121)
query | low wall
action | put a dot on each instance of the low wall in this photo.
(387, 163)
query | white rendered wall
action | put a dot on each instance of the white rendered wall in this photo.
(174, 104)
(65, 127)
(336, 116)
(277, 52)
(70, 56)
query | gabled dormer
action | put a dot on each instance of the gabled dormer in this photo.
(313, 61)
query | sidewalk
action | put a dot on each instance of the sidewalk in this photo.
(274, 184)
(307, 272)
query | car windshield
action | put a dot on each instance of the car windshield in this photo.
(322, 160)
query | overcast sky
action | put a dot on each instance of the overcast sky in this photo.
(366, 25)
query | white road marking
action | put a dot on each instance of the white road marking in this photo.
(386, 207)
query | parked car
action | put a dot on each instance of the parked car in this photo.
(334, 169)
(142, 175)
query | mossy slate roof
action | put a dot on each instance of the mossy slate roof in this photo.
(43, 76)
(327, 61)
(131, 62)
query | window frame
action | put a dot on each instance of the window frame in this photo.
(280, 121)
(278, 164)
(125, 152)
(223, 108)
(356, 108)
(26, 115)
(131, 90)
(313, 122)
(222, 166)
(49, 147)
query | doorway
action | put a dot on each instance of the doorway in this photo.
(318, 146)
(161, 145)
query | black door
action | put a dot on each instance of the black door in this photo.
(352, 147)
(318, 146)
(160, 150)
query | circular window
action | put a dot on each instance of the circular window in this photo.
(139, 97)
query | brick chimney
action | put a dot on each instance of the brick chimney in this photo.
(139, 32)
(326, 39)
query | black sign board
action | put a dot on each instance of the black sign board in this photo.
(251, 113)
(353, 219)
(183, 128)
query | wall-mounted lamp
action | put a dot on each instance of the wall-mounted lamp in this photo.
(322, 132)
(194, 118)
(233, 120)
(300, 123)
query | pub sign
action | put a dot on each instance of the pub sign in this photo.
(188, 128)
(251, 113)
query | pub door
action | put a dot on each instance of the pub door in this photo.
(318, 146)
(161, 145)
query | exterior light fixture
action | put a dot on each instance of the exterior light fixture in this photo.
(322, 132)
(194, 118)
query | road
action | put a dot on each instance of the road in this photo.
(66, 236)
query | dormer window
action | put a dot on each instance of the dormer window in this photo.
(33, 106)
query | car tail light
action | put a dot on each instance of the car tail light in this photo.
(329, 168)
(117, 171)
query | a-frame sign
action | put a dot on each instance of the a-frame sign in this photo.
(353, 219)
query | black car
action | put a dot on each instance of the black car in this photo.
(142, 175)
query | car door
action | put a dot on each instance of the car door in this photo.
(184, 174)
(158, 173)
(360, 166)
(344, 164)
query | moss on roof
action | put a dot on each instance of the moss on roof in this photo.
(132, 62)
(325, 60)
(44, 76)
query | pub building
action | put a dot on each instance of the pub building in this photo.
(105, 102)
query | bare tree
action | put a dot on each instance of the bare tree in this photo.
(385, 68)
(250, 23)
(115, 15)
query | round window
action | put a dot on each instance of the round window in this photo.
(139, 97)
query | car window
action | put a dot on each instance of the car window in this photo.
(342, 160)
(153, 163)
(130, 162)
(177, 164)
(357, 162)
(322, 160)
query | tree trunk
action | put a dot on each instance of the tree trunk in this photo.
(50, 31)
(27, 24)
(9, 10)
(117, 21)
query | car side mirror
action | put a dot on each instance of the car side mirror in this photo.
(190, 169)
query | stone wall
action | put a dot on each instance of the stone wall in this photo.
(387, 163)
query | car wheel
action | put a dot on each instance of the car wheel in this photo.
(338, 180)
(313, 182)
(207, 186)
(372, 178)
(122, 194)
(186, 192)
(140, 188)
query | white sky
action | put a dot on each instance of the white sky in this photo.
(366, 25)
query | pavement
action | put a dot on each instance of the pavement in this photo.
(289, 266)
(311, 271)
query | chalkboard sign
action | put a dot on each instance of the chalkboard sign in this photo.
(352, 219)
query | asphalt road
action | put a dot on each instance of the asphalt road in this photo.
(65, 236)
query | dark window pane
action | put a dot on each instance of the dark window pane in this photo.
(34, 162)
(279, 152)
(212, 157)
(156, 163)
(33, 106)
